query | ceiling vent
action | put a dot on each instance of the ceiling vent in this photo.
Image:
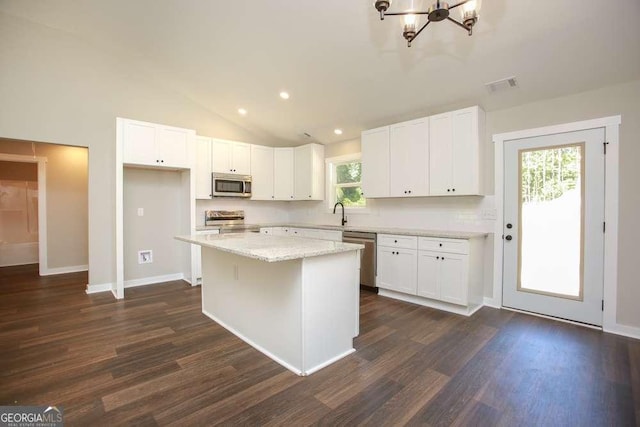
(502, 84)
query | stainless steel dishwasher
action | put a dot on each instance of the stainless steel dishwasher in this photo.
(367, 256)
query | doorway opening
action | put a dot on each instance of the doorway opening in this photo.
(43, 206)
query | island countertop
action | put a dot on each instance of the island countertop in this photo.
(269, 248)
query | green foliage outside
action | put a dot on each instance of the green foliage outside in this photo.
(547, 174)
(347, 173)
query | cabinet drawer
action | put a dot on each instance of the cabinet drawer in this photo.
(454, 246)
(394, 241)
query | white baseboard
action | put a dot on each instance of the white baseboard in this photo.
(108, 287)
(63, 270)
(624, 330)
(490, 302)
(102, 287)
(438, 305)
(254, 345)
(152, 280)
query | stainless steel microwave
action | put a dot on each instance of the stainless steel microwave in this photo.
(229, 185)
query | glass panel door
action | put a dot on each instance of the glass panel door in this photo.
(550, 256)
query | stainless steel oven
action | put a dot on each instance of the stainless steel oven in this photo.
(229, 185)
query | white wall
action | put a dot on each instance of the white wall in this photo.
(58, 89)
(159, 194)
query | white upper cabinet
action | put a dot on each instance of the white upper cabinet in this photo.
(203, 168)
(283, 173)
(309, 172)
(231, 157)
(152, 144)
(455, 155)
(262, 172)
(375, 162)
(409, 158)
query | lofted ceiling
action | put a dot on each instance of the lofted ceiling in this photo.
(343, 67)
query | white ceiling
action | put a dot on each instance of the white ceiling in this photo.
(344, 67)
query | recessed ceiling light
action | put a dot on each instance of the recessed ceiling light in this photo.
(284, 95)
(242, 111)
(337, 131)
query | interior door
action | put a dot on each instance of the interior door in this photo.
(554, 225)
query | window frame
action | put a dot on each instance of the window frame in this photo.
(330, 167)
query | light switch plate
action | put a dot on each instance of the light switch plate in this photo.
(140, 211)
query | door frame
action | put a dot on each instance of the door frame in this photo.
(43, 266)
(611, 126)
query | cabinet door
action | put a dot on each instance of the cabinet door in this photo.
(397, 269)
(172, 145)
(466, 152)
(440, 154)
(452, 278)
(221, 156)
(261, 173)
(428, 264)
(139, 143)
(283, 173)
(241, 158)
(375, 162)
(203, 168)
(303, 168)
(409, 158)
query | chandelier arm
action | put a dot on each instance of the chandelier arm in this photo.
(460, 24)
(405, 13)
(420, 30)
(459, 4)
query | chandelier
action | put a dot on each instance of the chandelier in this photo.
(439, 11)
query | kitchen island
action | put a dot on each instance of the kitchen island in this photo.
(296, 300)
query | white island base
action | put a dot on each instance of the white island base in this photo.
(302, 313)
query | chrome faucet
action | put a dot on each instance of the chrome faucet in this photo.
(344, 220)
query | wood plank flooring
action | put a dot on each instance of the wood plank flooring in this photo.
(155, 359)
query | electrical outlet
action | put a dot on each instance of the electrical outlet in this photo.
(145, 257)
(489, 214)
(140, 211)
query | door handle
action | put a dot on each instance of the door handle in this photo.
(508, 237)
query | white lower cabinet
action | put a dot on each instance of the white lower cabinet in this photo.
(442, 276)
(432, 271)
(397, 269)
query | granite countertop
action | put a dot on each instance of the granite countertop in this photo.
(378, 230)
(390, 230)
(269, 248)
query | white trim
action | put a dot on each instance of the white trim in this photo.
(624, 330)
(329, 186)
(610, 286)
(328, 362)
(557, 319)
(491, 302)
(42, 202)
(118, 286)
(438, 305)
(153, 280)
(64, 270)
(102, 287)
(604, 122)
(252, 344)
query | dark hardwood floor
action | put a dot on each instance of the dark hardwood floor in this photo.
(154, 359)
